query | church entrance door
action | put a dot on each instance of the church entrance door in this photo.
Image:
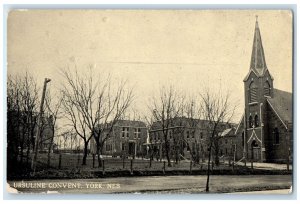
(255, 151)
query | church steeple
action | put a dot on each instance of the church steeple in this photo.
(258, 63)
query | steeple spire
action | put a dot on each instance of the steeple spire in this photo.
(258, 62)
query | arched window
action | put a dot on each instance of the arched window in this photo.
(250, 121)
(252, 93)
(267, 89)
(276, 136)
(256, 122)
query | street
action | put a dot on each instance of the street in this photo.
(154, 184)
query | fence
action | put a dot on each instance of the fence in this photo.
(74, 161)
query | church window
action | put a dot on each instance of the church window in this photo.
(250, 121)
(252, 93)
(256, 122)
(276, 136)
(267, 89)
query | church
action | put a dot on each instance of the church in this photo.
(265, 131)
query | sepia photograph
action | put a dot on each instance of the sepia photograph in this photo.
(145, 101)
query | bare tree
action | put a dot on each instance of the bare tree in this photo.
(65, 138)
(13, 120)
(111, 106)
(22, 102)
(77, 95)
(217, 110)
(193, 115)
(73, 140)
(165, 109)
(94, 107)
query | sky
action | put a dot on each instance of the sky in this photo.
(189, 49)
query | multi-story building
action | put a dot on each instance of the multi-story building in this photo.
(127, 138)
(266, 126)
(230, 146)
(187, 138)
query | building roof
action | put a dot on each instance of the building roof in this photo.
(130, 123)
(258, 62)
(184, 122)
(227, 132)
(282, 105)
(241, 124)
(124, 123)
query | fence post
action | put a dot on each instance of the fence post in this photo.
(150, 164)
(93, 160)
(164, 169)
(123, 162)
(191, 164)
(103, 167)
(59, 162)
(131, 166)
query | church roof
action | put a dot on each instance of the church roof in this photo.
(258, 62)
(282, 104)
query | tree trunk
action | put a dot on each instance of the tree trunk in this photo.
(208, 168)
(176, 154)
(217, 161)
(22, 155)
(22, 146)
(28, 151)
(167, 151)
(98, 144)
(85, 151)
(216, 144)
(197, 154)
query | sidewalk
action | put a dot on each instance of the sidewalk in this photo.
(266, 166)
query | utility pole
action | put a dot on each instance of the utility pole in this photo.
(38, 132)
